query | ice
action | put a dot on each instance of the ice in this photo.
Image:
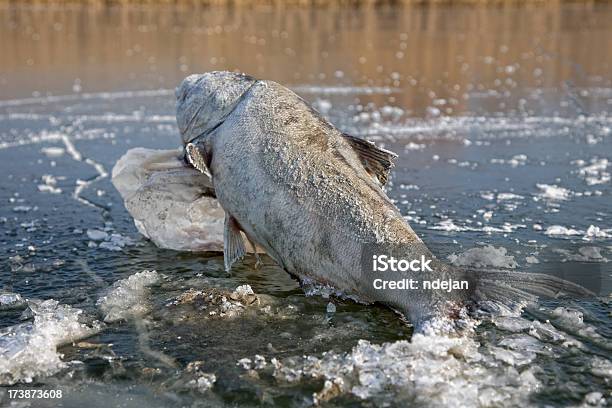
(596, 232)
(512, 357)
(10, 300)
(97, 235)
(28, 350)
(509, 196)
(219, 303)
(243, 290)
(450, 226)
(203, 383)
(429, 371)
(50, 185)
(323, 106)
(344, 90)
(595, 399)
(169, 202)
(128, 297)
(595, 173)
(514, 324)
(593, 232)
(553, 192)
(484, 256)
(585, 254)
(569, 316)
(601, 367)
(515, 161)
(109, 241)
(414, 146)
(561, 230)
(116, 242)
(53, 152)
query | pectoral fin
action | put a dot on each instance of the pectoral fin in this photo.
(377, 161)
(198, 157)
(233, 243)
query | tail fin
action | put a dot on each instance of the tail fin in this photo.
(510, 288)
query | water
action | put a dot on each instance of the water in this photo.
(501, 117)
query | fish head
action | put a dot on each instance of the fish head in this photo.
(204, 100)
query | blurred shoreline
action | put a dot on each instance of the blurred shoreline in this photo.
(439, 54)
(281, 3)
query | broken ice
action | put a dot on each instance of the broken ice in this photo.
(127, 297)
(28, 350)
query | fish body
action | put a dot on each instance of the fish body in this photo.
(308, 194)
(296, 186)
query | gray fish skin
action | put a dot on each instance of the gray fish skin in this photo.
(298, 189)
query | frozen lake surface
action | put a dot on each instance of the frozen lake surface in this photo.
(505, 157)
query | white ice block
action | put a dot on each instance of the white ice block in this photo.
(170, 202)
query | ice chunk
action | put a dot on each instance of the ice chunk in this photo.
(10, 300)
(127, 297)
(595, 173)
(570, 317)
(50, 184)
(509, 196)
(601, 367)
(243, 290)
(53, 152)
(28, 350)
(595, 399)
(116, 242)
(553, 192)
(485, 256)
(591, 252)
(96, 235)
(585, 254)
(514, 324)
(596, 232)
(203, 383)
(173, 205)
(561, 230)
(219, 303)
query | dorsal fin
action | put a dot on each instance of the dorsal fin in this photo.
(377, 161)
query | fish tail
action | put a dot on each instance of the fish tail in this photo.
(510, 288)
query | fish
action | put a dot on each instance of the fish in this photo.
(313, 198)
